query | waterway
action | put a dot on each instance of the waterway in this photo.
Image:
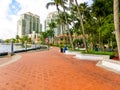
(7, 48)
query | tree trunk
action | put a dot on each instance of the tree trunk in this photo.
(91, 42)
(100, 37)
(69, 33)
(81, 21)
(116, 24)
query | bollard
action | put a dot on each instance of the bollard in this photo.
(26, 46)
(12, 50)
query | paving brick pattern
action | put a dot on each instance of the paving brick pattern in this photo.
(4, 59)
(52, 70)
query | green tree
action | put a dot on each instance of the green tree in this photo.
(60, 22)
(24, 39)
(56, 3)
(62, 4)
(44, 35)
(69, 30)
(101, 9)
(50, 32)
(17, 38)
(81, 21)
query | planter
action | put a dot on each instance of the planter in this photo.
(61, 50)
(70, 52)
(91, 56)
(110, 65)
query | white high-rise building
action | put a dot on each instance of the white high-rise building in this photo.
(51, 18)
(27, 24)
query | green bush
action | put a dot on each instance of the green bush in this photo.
(111, 54)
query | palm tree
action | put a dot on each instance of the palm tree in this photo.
(89, 24)
(17, 38)
(50, 32)
(62, 4)
(44, 35)
(98, 9)
(116, 24)
(101, 9)
(69, 33)
(60, 20)
(81, 21)
(56, 3)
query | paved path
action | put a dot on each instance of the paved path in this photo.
(52, 70)
(4, 59)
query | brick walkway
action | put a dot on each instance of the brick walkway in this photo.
(51, 70)
(4, 60)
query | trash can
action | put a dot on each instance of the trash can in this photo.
(65, 48)
(61, 50)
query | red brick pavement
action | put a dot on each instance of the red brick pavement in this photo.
(4, 59)
(52, 70)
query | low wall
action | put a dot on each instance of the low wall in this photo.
(70, 52)
(23, 50)
(92, 57)
(87, 56)
(104, 60)
(110, 65)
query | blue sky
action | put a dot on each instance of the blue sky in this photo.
(10, 11)
(14, 7)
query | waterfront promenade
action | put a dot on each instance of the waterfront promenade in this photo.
(52, 70)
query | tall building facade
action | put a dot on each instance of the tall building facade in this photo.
(58, 30)
(51, 18)
(28, 24)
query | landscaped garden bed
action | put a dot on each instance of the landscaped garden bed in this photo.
(91, 55)
(107, 60)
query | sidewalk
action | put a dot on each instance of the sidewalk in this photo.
(52, 70)
(4, 59)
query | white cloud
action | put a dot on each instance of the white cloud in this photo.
(8, 23)
(4, 6)
(37, 7)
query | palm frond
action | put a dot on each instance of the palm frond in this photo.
(50, 3)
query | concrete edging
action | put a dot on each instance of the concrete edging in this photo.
(87, 56)
(103, 62)
(70, 52)
(14, 59)
(91, 56)
(110, 65)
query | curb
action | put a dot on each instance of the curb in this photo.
(14, 59)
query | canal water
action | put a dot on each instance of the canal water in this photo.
(7, 47)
